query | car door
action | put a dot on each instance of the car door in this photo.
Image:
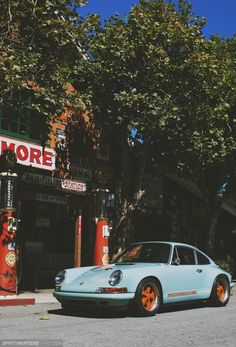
(205, 275)
(185, 276)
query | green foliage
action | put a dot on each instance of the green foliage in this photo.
(227, 264)
(155, 72)
(38, 55)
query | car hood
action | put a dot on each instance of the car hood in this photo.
(96, 277)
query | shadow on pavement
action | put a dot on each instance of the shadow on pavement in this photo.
(90, 313)
(109, 313)
(183, 307)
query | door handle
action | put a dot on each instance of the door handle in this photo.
(199, 270)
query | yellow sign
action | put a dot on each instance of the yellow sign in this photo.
(10, 259)
(105, 259)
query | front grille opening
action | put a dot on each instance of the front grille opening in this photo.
(104, 303)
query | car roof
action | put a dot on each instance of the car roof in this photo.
(173, 243)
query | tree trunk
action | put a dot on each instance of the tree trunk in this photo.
(213, 209)
(127, 201)
(211, 232)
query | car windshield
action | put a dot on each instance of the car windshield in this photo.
(145, 253)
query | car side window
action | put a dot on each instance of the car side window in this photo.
(186, 255)
(202, 260)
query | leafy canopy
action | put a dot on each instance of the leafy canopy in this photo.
(38, 53)
(156, 73)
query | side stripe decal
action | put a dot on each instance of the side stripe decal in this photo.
(173, 295)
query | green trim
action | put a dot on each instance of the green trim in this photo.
(19, 136)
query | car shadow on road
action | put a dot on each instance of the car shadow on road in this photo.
(112, 313)
(90, 313)
(183, 307)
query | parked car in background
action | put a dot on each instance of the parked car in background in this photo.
(145, 276)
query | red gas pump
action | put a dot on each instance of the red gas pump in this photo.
(101, 249)
(8, 226)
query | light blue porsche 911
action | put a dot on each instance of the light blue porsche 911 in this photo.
(145, 276)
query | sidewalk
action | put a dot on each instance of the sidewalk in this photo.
(28, 298)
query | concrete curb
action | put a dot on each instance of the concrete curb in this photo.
(44, 296)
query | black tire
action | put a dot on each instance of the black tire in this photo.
(220, 292)
(147, 298)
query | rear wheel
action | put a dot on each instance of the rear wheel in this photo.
(147, 298)
(220, 292)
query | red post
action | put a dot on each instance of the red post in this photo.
(104, 200)
(101, 255)
(8, 268)
(78, 234)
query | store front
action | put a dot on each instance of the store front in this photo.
(48, 208)
(47, 232)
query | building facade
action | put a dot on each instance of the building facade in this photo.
(49, 201)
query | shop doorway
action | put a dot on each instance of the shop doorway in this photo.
(47, 238)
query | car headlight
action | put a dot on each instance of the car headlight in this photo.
(115, 277)
(60, 277)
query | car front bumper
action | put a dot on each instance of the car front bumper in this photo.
(93, 299)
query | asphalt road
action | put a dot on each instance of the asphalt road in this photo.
(48, 325)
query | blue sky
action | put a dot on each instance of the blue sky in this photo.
(221, 14)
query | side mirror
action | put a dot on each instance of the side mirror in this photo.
(175, 261)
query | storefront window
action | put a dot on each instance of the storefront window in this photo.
(16, 123)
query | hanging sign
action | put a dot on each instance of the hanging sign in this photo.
(73, 185)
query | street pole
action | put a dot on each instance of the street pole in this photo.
(78, 236)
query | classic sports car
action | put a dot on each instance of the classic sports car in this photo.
(145, 276)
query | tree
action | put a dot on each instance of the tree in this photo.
(39, 45)
(156, 89)
(207, 144)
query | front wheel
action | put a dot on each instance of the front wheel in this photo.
(220, 292)
(147, 298)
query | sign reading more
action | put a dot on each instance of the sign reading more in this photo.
(29, 153)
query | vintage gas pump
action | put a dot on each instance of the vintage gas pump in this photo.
(8, 224)
(101, 249)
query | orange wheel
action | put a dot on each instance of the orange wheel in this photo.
(220, 292)
(147, 299)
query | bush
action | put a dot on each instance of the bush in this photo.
(227, 264)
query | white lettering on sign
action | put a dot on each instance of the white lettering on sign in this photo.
(29, 177)
(28, 153)
(73, 185)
